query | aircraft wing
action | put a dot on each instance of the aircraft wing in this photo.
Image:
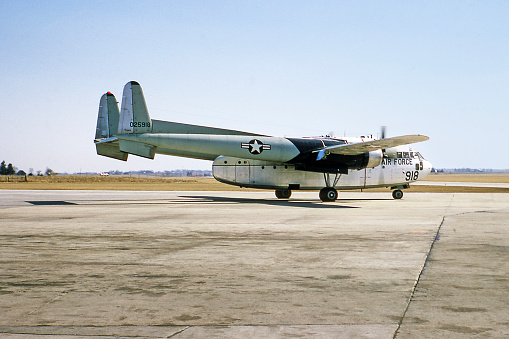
(368, 146)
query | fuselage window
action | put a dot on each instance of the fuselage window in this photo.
(405, 155)
(399, 155)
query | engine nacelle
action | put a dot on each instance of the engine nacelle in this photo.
(338, 163)
(374, 158)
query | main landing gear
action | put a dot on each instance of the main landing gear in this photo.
(328, 194)
(283, 193)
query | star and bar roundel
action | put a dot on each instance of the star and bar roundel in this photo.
(255, 146)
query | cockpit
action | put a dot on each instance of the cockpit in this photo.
(410, 154)
(403, 152)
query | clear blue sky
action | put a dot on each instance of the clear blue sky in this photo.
(284, 68)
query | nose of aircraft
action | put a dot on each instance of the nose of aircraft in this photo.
(426, 168)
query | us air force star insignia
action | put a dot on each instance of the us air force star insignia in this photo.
(255, 146)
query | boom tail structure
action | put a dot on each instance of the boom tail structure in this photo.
(135, 131)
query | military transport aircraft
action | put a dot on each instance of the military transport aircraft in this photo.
(261, 161)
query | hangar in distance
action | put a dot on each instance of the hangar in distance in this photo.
(261, 161)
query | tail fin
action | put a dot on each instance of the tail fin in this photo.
(107, 127)
(134, 117)
(107, 119)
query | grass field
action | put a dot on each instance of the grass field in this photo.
(118, 183)
(126, 183)
(469, 177)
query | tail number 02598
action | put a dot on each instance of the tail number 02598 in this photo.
(139, 124)
(411, 175)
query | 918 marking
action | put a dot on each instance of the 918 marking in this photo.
(411, 175)
(139, 124)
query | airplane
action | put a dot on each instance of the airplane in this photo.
(260, 161)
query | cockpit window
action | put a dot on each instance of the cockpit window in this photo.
(405, 155)
(419, 155)
(399, 154)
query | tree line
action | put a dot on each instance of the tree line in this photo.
(7, 169)
(12, 170)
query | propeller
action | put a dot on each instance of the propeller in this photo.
(382, 136)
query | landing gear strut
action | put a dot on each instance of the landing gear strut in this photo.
(283, 193)
(397, 194)
(328, 194)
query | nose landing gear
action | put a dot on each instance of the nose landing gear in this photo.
(397, 194)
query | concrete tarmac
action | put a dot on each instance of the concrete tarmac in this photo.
(246, 265)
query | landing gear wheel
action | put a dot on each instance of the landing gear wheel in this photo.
(328, 194)
(397, 194)
(283, 194)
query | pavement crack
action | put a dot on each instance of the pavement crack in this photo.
(62, 294)
(178, 332)
(410, 299)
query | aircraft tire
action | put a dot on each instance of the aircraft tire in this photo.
(328, 194)
(283, 193)
(397, 194)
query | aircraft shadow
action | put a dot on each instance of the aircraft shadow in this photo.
(289, 203)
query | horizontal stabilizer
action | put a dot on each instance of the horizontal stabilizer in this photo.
(110, 150)
(368, 146)
(137, 148)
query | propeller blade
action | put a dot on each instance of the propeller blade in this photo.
(320, 155)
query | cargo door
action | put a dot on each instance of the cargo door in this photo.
(368, 177)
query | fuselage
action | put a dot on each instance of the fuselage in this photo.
(289, 163)
(400, 167)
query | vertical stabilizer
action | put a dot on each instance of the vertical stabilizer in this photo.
(107, 127)
(134, 117)
(107, 119)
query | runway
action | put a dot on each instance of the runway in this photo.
(244, 264)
